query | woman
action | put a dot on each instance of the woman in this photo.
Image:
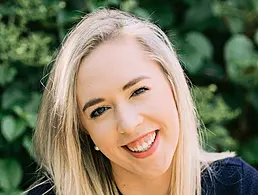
(117, 118)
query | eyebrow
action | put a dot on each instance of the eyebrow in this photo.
(134, 81)
(125, 87)
(92, 102)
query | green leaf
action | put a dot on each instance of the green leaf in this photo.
(255, 5)
(242, 61)
(11, 128)
(197, 49)
(141, 13)
(13, 95)
(27, 144)
(213, 108)
(113, 2)
(12, 192)
(30, 118)
(7, 74)
(198, 16)
(11, 174)
(217, 9)
(32, 10)
(192, 62)
(33, 105)
(236, 25)
(8, 127)
(238, 48)
(65, 17)
(7, 9)
(217, 133)
(200, 43)
(129, 5)
(35, 54)
(61, 15)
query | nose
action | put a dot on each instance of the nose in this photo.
(128, 118)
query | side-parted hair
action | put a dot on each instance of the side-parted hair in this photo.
(63, 148)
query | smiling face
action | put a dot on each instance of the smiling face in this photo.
(126, 102)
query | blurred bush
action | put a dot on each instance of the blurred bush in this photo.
(217, 43)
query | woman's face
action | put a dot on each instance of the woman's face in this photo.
(127, 106)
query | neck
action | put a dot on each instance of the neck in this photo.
(130, 183)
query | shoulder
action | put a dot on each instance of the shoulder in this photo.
(46, 189)
(230, 176)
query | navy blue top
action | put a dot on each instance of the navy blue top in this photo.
(231, 176)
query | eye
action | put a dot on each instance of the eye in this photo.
(139, 91)
(99, 111)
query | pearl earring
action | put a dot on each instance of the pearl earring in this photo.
(96, 148)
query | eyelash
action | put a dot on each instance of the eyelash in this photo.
(135, 93)
(92, 115)
(140, 89)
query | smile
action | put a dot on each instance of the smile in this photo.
(145, 146)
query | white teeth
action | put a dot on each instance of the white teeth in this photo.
(145, 145)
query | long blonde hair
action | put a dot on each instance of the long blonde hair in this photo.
(64, 149)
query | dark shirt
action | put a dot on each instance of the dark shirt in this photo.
(232, 176)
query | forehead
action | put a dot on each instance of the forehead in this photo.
(115, 63)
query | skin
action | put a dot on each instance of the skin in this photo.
(124, 115)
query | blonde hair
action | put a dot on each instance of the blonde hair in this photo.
(66, 152)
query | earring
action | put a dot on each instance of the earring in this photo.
(96, 148)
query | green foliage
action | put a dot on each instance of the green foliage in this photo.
(208, 101)
(215, 114)
(11, 128)
(256, 37)
(198, 50)
(216, 41)
(215, 134)
(249, 150)
(11, 174)
(241, 59)
(6, 74)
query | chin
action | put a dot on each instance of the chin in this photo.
(156, 169)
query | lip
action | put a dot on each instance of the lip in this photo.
(148, 152)
(140, 137)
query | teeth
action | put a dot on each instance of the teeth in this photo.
(145, 145)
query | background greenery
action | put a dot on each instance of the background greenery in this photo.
(218, 46)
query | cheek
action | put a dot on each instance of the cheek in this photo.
(163, 104)
(166, 113)
(102, 133)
